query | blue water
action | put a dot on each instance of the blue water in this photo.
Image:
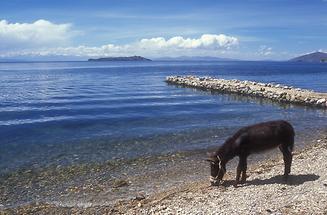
(76, 112)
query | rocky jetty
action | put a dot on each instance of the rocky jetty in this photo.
(275, 92)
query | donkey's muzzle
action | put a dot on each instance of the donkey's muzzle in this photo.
(214, 181)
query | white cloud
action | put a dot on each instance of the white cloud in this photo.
(41, 33)
(44, 38)
(265, 50)
(154, 47)
(206, 41)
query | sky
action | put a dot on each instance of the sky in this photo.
(238, 29)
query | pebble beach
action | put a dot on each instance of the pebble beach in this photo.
(263, 193)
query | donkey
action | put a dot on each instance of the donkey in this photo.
(252, 139)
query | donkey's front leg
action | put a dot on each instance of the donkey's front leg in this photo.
(241, 167)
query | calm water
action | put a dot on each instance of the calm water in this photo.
(77, 112)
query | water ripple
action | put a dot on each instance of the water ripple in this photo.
(123, 109)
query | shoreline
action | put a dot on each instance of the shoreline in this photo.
(305, 193)
(263, 193)
(264, 179)
(274, 92)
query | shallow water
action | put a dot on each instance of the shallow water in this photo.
(68, 114)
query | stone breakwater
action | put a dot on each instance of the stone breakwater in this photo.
(275, 92)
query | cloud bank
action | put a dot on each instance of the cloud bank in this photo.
(39, 34)
(206, 41)
(44, 38)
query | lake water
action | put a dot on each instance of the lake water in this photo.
(93, 133)
(66, 113)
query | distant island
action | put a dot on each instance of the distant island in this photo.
(315, 57)
(131, 58)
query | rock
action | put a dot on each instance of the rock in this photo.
(120, 183)
(320, 101)
(140, 196)
(269, 210)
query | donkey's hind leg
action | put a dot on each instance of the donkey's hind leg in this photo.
(243, 178)
(287, 156)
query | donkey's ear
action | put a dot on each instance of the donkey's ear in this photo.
(210, 159)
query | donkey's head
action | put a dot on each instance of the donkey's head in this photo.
(217, 170)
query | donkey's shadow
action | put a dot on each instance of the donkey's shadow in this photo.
(292, 180)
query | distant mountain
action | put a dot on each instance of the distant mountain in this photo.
(316, 57)
(194, 58)
(132, 58)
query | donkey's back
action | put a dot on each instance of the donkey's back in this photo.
(264, 136)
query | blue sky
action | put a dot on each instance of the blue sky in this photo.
(244, 29)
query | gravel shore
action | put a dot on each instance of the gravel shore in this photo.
(264, 192)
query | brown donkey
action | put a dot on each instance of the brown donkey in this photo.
(252, 139)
